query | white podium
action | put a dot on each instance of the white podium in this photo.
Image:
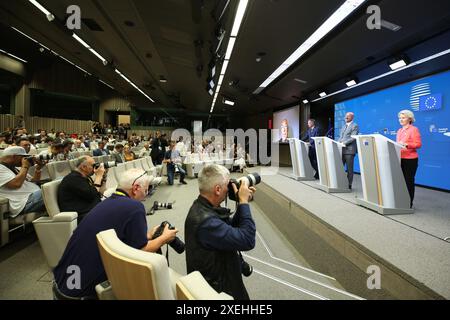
(302, 168)
(331, 169)
(384, 186)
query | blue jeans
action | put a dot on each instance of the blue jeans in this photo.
(171, 173)
(35, 203)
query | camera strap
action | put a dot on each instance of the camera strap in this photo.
(121, 193)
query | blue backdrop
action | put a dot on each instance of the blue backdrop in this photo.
(428, 98)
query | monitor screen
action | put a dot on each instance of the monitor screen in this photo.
(288, 123)
(428, 98)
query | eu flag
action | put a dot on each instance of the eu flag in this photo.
(431, 102)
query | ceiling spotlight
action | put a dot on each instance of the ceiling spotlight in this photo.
(323, 94)
(351, 82)
(306, 101)
(162, 79)
(228, 102)
(398, 63)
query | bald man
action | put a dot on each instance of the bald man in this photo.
(349, 151)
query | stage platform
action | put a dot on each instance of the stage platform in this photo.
(342, 239)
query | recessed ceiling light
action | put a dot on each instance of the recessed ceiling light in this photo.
(162, 79)
(323, 94)
(305, 101)
(398, 64)
(351, 83)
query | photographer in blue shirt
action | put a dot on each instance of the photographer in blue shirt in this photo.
(123, 212)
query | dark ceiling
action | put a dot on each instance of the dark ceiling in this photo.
(147, 39)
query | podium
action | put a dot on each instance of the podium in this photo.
(384, 186)
(302, 169)
(331, 169)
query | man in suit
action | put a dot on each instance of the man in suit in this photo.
(118, 153)
(312, 132)
(348, 152)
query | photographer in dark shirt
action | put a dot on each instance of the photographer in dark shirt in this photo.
(213, 239)
(77, 191)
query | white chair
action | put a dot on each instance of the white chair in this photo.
(58, 169)
(138, 275)
(55, 230)
(195, 287)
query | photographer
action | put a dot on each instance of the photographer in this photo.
(24, 196)
(123, 212)
(173, 160)
(213, 239)
(77, 191)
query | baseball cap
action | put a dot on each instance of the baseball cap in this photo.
(14, 151)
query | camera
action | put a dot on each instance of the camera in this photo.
(252, 180)
(158, 205)
(43, 157)
(176, 243)
(246, 269)
(107, 165)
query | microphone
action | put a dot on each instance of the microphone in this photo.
(328, 132)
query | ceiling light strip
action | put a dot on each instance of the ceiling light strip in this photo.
(332, 22)
(40, 7)
(239, 17)
(419, 62)
(13, 56)
(242, 7)
(134, 85)
(27, 36)
(106, 84)
(87, 46)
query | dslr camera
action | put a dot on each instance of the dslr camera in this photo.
(43, 157)
(252, 180)
(107, 165)
(176, 243)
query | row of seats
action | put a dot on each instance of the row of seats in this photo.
(195, 162)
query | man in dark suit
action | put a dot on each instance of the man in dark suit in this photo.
(101, 151)
(312, 132)
(348, 152)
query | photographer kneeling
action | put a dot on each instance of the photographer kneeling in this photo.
(125, 213)
(213, 239)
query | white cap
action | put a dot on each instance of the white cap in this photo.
(14, 151)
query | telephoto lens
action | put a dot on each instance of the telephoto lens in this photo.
(252, 180)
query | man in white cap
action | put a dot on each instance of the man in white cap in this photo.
(23, 195)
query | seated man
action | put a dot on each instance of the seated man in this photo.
(118, 153)
(101, 151)
(173, 160)
(77, 191)
(23, 195)
(145, 151)
(122, 212)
